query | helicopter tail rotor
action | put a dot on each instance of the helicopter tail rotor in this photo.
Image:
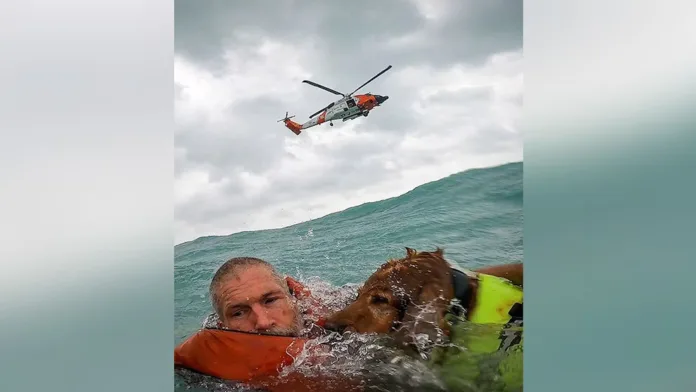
(286, 117)
(291, 125)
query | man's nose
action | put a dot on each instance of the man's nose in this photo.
(263, 321)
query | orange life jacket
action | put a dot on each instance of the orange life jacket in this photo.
(251, 358)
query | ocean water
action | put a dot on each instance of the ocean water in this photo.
(475, 216)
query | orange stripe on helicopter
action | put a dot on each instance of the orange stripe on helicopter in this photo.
(366, 102)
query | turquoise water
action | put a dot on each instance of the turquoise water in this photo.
(475, 216)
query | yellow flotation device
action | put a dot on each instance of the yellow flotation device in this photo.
(495, 298)
(489, 342)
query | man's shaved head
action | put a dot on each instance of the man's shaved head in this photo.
(232, 268)
(249, 295)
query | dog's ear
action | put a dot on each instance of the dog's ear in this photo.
(410, 252)
(424, 314)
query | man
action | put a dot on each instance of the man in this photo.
(258, 332)
(248, 295)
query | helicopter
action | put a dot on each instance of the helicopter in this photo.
(347, 108)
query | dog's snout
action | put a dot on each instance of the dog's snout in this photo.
(335, 326)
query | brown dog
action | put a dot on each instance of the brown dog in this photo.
(412, 296)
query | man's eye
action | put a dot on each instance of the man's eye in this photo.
(271, 300)
(236, 314)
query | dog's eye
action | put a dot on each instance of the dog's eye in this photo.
(378, 300)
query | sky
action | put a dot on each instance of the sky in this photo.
(455, 102)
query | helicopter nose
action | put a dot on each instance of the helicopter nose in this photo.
(381, 98)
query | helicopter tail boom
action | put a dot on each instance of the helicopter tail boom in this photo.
(291, 125)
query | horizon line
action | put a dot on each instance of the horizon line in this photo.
(348, 208)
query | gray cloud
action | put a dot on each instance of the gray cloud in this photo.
(269, 176)
(242, 141)
(203, 33)
(348, 34)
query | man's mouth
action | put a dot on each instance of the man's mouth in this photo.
(279, 332)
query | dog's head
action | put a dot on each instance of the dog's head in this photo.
(408, 295)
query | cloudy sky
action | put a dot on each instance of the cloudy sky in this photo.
(455, 101)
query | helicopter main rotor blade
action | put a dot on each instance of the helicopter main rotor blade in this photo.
(320, 110)
(322, 87)
(373, 78)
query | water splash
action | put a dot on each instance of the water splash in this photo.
(368, 357)
(376, 360)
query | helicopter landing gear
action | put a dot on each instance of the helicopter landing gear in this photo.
(365, 113)
(331, 124)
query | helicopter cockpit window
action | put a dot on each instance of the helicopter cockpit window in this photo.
(330, 105)
(350, 103)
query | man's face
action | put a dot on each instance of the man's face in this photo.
(254, 301)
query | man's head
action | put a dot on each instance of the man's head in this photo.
(249, 295)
